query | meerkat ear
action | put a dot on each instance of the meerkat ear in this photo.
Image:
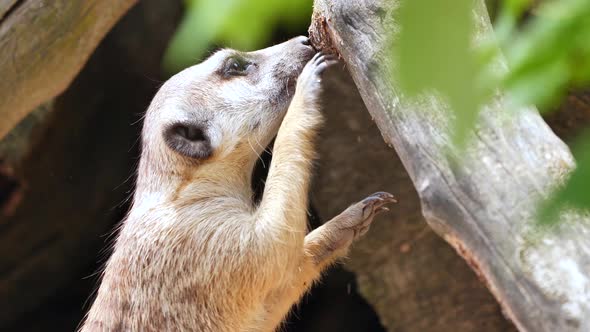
(188, 139)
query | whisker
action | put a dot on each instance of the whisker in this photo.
(257, 154)
(287, 87)
(264, 148)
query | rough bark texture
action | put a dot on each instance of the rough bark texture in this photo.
(44, 45)
(483, 200)
(401, 264)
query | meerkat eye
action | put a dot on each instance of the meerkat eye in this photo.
(236, 66)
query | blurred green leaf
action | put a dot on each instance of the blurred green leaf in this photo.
(542, 84)
(434, 52)
(549, 54)
(240, 24)
(202, 21)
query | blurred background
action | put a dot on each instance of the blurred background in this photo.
(67, 173)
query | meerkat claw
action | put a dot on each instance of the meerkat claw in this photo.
(374, 204)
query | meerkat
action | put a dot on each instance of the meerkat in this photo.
(195, 252)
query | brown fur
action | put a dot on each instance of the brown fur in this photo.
(195, 253)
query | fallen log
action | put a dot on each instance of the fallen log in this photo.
(484, 205)
(44, 45)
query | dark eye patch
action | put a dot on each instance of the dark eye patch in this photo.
(235, 65)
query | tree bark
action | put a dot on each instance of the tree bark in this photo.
(44, 45)
(481, 201)
(400, 264)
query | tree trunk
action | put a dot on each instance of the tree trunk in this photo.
(483, 205)
(44, 45)
(400, 264)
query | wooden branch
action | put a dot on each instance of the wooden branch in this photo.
(5, 6)
(44, 45)
(484, 205)
(400, 263)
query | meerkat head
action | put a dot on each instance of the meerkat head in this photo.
(229, 105)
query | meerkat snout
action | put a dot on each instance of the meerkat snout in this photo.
(196, 253)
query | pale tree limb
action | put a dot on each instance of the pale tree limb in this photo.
(484, 205)
(44, 44)
(400, 264)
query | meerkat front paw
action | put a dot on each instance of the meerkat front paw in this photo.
(361, 215)
(333, 239)
(309, 81)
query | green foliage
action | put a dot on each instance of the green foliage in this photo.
(241, 24)
(434, 53)
(551, 53)
(546, 56)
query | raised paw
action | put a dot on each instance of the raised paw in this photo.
(309, 81)
(333, 239)
(359, 216)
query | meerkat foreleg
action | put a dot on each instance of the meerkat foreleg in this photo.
(281, 218)
(324, 246)
(282, 214)
(333, 239)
